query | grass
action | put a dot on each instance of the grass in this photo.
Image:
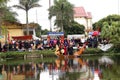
(50, 53)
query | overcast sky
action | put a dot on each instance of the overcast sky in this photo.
(98, 9)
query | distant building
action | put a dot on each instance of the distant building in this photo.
(83, 17)
(12, 29)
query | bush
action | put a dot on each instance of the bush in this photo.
(92, 51)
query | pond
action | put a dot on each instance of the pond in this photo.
(81, 68)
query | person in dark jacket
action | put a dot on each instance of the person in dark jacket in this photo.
(0, 47)
(70, 50)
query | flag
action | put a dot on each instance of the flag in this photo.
(8, 37)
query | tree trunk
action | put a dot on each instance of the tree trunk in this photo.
(1, 24)
(27, 26)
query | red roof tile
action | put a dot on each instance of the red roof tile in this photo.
(80, 12)
(89, 16)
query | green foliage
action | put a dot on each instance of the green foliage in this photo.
(75, 29)
(38, 30)
(109, 19)
(9, 15)
(27, 4)
(93, 51)
(19, 61)
(6, 14)
(4, 30)
(63, 11)
(112, 32)
(16, 54)
(112, 72)
(44, 32)
(71, 76)
(3, 3)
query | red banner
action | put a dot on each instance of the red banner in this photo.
(22, 37)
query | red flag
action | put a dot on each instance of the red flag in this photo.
(8, 37)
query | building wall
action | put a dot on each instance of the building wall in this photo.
(12, 32)
(15, 32)
(90, 23)
(84, 21)
(15, 29)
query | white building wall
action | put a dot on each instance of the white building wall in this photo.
(81, 21)
(90, 23)
(86, 22)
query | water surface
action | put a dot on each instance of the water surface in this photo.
(82, 68)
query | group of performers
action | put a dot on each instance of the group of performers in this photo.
(68, 50)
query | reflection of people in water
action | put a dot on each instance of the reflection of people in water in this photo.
(4, 74)
(57, 51)
(18, 69)
(10, 75)
(68, 64)
(61, 64)
(57, 61)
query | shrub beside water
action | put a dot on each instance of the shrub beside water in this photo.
(50, 53)
(93, 51)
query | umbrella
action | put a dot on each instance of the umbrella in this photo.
(90, 33)
(95, 33)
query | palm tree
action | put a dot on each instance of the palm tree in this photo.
(27, 5)
(2, 11)
(63, 11)
(3, 2)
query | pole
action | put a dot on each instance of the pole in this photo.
(62, 17)
(36, 17)
(50, 19)
(37, 21)
(118, 7)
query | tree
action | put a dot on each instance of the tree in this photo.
(75, 28)
(63, 11)
(27, 5)
(109, 19)
(38, 30)
(3, 3)
(9, 15)
(112, 32)
(44, 32)
(2, 11)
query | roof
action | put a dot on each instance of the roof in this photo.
(31, 25)
(11, 25)
(89, 16)
(80, 12)
(7, 23)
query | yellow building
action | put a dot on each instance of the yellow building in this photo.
(12, 29)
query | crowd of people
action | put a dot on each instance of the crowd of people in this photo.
(67, 44)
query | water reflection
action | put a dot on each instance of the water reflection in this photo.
(105, 60)
(63, 69)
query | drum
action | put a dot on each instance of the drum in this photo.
(62, 51)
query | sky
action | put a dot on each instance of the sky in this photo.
(98, 8)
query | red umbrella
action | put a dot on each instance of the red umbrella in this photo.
(95, 33)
